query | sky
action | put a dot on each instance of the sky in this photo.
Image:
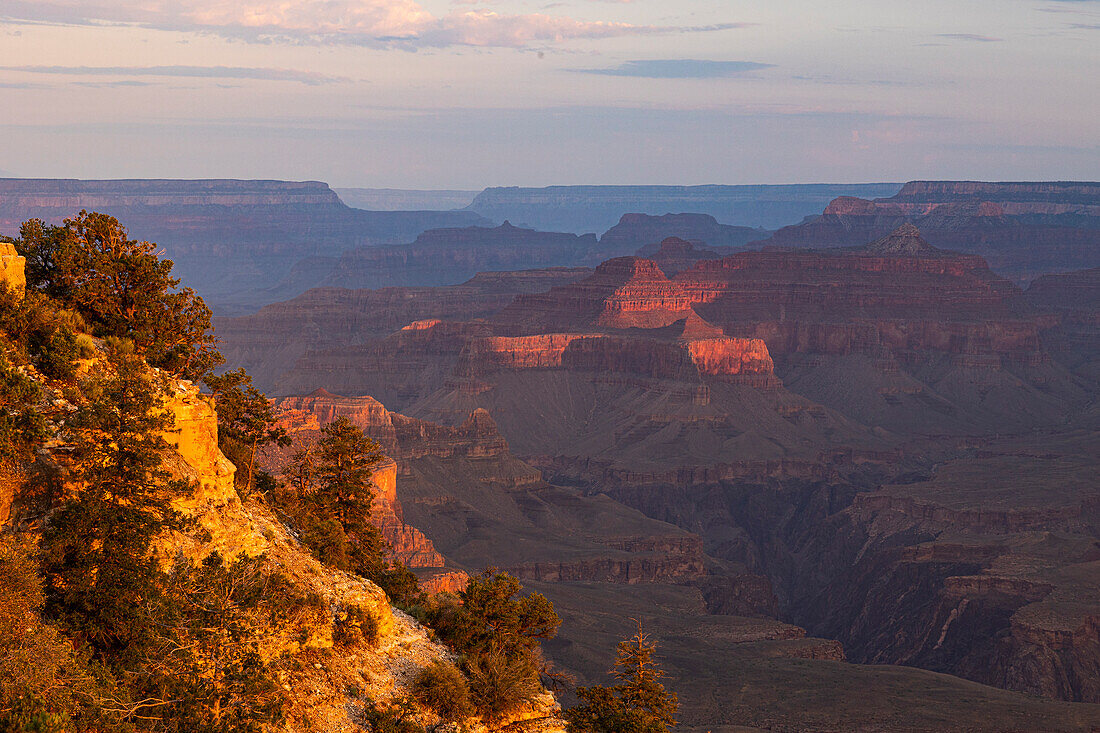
(464, 94)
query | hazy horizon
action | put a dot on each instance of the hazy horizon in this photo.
(433, 94)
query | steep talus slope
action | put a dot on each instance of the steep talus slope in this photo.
(326, 685)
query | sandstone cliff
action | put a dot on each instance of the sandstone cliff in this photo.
(12, 268)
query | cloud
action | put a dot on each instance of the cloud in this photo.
(200, 72)
(378, 23)
(680, 69)
(969, 37)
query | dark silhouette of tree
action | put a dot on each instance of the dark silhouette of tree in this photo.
(638, 704)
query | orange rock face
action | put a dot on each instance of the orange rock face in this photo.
(303, 417)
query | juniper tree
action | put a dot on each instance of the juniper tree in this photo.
(123, 288)
(246, 422)
(100, 576)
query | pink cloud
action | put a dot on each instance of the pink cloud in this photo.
(401, 23)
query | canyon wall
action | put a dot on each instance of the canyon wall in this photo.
(1022, 229)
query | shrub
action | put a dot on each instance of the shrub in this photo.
(355, 625)
(43, 332)
(502, 683)
(442, 689)
(397, 716)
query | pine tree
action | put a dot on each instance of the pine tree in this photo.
(638, 704)
(332, 499)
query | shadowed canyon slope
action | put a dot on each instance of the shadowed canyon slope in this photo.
(595, 208)
(603, 564)
(1022, 229)
(226, 237)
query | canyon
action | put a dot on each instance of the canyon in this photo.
(230, 240)
(1022, 229)
(826, 458)
(844, 472)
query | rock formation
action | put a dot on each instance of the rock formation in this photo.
(596, 208)
(450, 256)
(12, 268)
(1022, 229)
(818, 424)
(270, 341)
(638, 230)
(675, 254)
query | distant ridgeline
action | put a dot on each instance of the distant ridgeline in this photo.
(582, 209)
(225, 236)
(243, 244)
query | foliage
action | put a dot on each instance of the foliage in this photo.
(494, 616)
(39, 674)
(499, 633)
(212, 674)
(41, 332)
(441, 688)
(502, 683)
(638, 704)
(246, 422)
(400, 584)
(121, 288)
(99, 575)
(396, 716)
(22, 427)
(330, 496)
(354, 625)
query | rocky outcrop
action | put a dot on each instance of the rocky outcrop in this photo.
(674, 255)
(1053, 197)
(269, 342)
(635, 231)
(713, 357)
(625, 292)
(450, 256)
(12, 269)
